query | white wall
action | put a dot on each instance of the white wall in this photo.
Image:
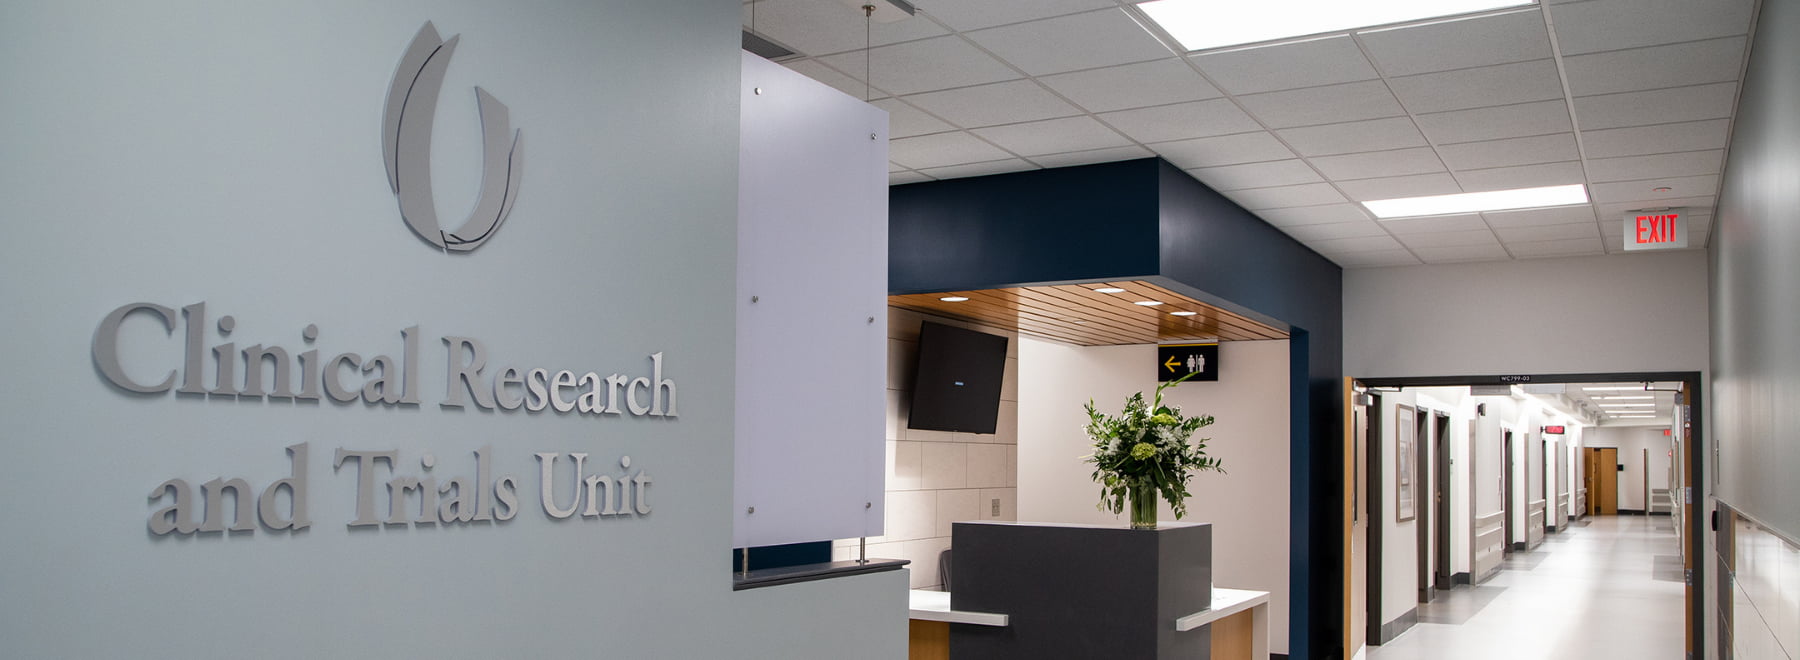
(1572, 315)
(1632, 442)
(179, 152)
(1248, 505)
(935, 478)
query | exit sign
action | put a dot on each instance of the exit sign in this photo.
(1553, 430)
(1655, 230)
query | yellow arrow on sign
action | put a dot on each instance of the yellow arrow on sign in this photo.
(1171, 364)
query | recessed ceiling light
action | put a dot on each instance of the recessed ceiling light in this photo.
(1148, 303)
(954, 298)
(1183, 313)
(1204, 24)
(1109, 289)
(1633, 416)
(1496, 200)
(1615, 388)
(1627, 405)
(1618, 397)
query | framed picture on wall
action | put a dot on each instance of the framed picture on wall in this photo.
(1404, 476)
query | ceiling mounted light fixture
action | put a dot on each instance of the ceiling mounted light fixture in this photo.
(1148, 303)
(954, 298)
(1207, 24)
(1183, 313)
(1109, 289)
(1476, 202)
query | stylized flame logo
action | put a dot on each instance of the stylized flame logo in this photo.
(406, 145)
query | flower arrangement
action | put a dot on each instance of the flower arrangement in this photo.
(1145, 451)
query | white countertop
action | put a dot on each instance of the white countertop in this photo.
(935, 606)
(1225, 602)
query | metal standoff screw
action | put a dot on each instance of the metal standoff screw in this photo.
(755, 298)
(868, 505)
(758, 91)
(871, 319)
(750, 510)
(872, 136)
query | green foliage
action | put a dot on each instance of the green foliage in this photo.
(1147, 443)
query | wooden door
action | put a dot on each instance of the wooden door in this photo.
(1603, 481)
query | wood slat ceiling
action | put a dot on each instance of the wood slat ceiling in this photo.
(1077, 314)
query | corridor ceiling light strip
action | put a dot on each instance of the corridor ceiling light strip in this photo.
(1627, 405)
(1497, 200)
(1206, 24)
(1617, 397)
(1615, 388)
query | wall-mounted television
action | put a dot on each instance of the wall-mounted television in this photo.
(957, 383)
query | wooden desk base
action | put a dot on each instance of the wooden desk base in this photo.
(928, 640)
(1234, 637)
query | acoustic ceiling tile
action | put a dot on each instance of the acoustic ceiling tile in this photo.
(1307, 194)
(1067, 43)
(941, 150)
(1359, 244)
(1631, 168)
(1374, 259)
(1379, 164)
(1660, 106)
(1159, 82)
(903, 178)
(1495, 123)
(1257, 175)
(1313, 215)
(1615, 211)
(1222, 150)
(1291, 65)
(967, 16)
(904, 120)
(817, 70)
(1351, 137)
(979, 169)
(1522, 176)
(1548, 232)
(1181, 121)
(1510, 152)
(1053, 136)
(1323, 105)
(1436, 223)
(1567, 248)
(1091, 157)
(1589, 27)
(1459, 44)
(1439, 239)
(1534, 217)
(1416, 185)
(1674, 65)
(1631, 191)
(820, 27)
(999, 103)
(925, 65)
(1451, 254)
(1662, 138)
(1504, 84)
(1335, 230)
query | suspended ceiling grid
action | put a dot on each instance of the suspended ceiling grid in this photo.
(1633, 98)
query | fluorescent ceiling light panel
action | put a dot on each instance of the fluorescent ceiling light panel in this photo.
(1627, 405)
(1617, 397)
(1497, 200)
(1205, 24)
(1616, 388)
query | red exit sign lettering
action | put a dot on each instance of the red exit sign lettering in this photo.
(1655, 230)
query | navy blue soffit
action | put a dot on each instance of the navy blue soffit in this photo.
(1147, 220)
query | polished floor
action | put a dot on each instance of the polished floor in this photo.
(1599, 590)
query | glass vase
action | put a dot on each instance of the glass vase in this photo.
(1143, 506)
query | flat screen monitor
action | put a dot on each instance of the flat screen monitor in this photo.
(957, 383)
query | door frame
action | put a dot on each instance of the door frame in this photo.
(1424, 513)
(1441, 485)
(1695, 465)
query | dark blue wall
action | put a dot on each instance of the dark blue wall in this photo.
(1094, 222)
(1145, 219)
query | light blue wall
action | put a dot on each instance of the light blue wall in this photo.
(230, 153)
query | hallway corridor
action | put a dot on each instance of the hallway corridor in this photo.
(1607, 587)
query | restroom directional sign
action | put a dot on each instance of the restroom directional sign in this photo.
(1174, 361)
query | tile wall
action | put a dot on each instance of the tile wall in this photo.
(935, 478)
(1765, 608)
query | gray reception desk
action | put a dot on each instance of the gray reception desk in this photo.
(1037, 590)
